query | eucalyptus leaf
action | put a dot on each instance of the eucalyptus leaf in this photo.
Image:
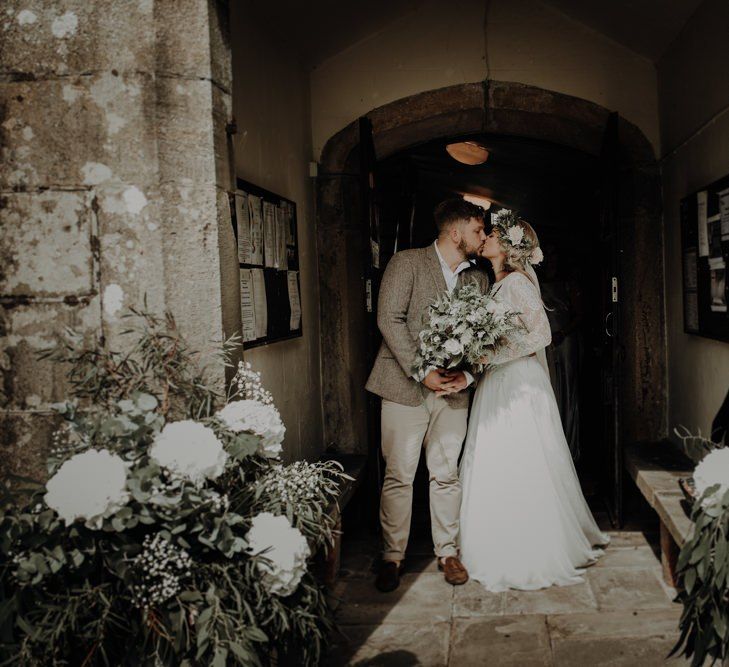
(145, 402)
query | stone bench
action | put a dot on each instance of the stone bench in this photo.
(655, 469)
(354, 465)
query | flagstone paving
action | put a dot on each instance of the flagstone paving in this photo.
(622, 615)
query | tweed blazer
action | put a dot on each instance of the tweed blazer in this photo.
(413, 280)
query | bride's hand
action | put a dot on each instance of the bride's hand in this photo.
(486, 359)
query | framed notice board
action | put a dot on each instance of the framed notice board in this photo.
(705, 253)
(268, 261)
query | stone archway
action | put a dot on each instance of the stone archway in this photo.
(494, 107)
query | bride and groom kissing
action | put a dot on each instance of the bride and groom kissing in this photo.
(511, 514)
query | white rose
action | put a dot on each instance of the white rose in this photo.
(258, 418)
(713, 469)
(189, 449)
(452, 347)
(284, 546)
(466, 338)
(515, 234)
(536, 256)
(90, 486)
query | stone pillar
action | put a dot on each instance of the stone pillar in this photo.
(113, 188)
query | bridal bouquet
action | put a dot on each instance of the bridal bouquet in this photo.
(168, 532)
(462, 328)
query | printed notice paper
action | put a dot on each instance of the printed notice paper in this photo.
(269, 234)
(256, 220)
(691, 311)
(282, 235)
(294, 300)
(702, 201)
(724, 213)
(260, 305)
(247, 307)
(690, 270)
(243, 221)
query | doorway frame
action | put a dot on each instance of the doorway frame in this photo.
(494, 107)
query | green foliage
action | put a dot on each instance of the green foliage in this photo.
(703, 571)
(159, 363)
(84, 594)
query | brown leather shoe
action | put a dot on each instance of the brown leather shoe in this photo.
(388, 578)
(452, 568)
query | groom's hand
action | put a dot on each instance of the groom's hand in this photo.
(436, 379)
(455, 381)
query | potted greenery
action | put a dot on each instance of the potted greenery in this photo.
(703, 563)
(169, 532)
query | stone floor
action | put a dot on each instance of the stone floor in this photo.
(622, 615)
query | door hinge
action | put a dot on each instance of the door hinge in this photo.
(615, 289)
(368, 288)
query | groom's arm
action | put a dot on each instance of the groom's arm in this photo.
(392, 311)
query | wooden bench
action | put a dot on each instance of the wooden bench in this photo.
(655, 469)
(354, 465)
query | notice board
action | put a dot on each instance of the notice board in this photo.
(266, 233)
(705, 253)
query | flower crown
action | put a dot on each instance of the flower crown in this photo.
(511, 234)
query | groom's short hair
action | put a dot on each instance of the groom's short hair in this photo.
(452, 211)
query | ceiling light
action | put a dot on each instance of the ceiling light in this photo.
(468, 152)
(484, 203)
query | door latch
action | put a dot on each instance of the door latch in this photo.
(615, 289)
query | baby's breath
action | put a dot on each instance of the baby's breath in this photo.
(248, 385)
(161, 568)
(293, 484)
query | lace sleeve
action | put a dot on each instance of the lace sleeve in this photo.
(524, 297)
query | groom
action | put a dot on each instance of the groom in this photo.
(432, 413)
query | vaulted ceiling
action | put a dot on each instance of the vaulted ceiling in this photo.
(318, 29)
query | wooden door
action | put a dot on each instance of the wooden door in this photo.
(610, 250)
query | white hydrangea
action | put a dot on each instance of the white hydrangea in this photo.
(515, 234)
(263, 420)
(284, 546)
(189, 449)
(536, 256)
(713, 469)
(89, 486)
(452, 346)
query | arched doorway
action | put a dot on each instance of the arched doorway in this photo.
(496, 108)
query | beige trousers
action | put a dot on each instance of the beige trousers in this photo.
(405, 430)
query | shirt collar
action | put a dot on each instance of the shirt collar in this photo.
(465, 264)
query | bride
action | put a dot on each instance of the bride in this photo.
(524, 521)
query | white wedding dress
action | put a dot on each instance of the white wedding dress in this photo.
(524, 521)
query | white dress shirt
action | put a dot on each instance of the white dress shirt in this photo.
(451, 277)
(451, 280)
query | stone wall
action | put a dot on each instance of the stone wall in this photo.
(113, 188)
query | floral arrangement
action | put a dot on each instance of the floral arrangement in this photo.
(517, 246)
(462, 328)
(169, 532)
(703, 563)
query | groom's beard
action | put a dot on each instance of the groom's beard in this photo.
(469, 252)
